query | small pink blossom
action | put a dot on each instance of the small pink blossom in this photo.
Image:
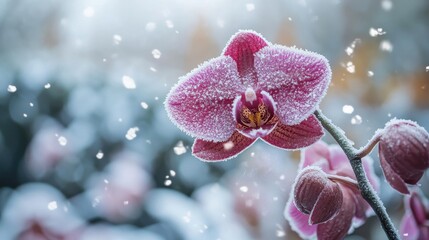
(415, 223)
(404, 153)
(325, 201)
(253, 90)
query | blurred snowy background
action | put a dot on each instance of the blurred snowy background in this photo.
(86, 148)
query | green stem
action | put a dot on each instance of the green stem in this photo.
(366, 189)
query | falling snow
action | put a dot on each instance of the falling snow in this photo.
(11, 88)
(356, 120)
(376, 32)
(244, 188)
(52, 205)
(179, 149)
(427, 68)
(128, 82)
(172, 173)
(132, 133)
(348, 109)
(370, 73)
(117, 39)
(228, 145)
(99, 155)
(47, 85)
(386, 5)
(167, 182)
(350, 67)
(156, 53)
(144, 105)
(62, 141)
(386, 46)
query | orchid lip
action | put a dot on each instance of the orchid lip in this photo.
(253, 111)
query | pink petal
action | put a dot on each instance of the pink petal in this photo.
(338, 159)
(338, 227)
(299, 221)
(220, 151)
(328, 203)
(392, 178)
(201, 103)
(297, 136)
(408, 229)
(316, 155)
(296, 79)
(418, 209)
(242, 48)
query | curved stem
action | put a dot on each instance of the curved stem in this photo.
(366, 189)
(365, 150)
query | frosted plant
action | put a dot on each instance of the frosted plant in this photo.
(325, 195)
(253, 90)
(259, 90)
(415, 223)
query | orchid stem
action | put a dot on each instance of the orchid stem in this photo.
(365, 150)
(366, 189)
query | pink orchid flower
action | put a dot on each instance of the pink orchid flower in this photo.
(415, 223)
(253, 90)
(325, 201)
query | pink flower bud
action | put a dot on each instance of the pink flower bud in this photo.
(404, 153)
(317, 195)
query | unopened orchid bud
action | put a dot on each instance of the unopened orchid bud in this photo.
(404, 153)
(317, 195)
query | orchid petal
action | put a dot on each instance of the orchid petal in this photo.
(296, 79)
(242, 48)
(299, 221)
(201, 103)
(392, 177)
(220, 151)
(338, 227)
(409, 229)
(297, 136)
(316, 155)
(418, 209)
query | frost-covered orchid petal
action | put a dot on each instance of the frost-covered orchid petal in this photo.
(201, 103)
(316, 155)
(299, 221)
(404, 153)
(409, 227)
(415, 223)
(337, 227)
(219, 151)
(296, 79)
(297, 136)
(242, 48)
